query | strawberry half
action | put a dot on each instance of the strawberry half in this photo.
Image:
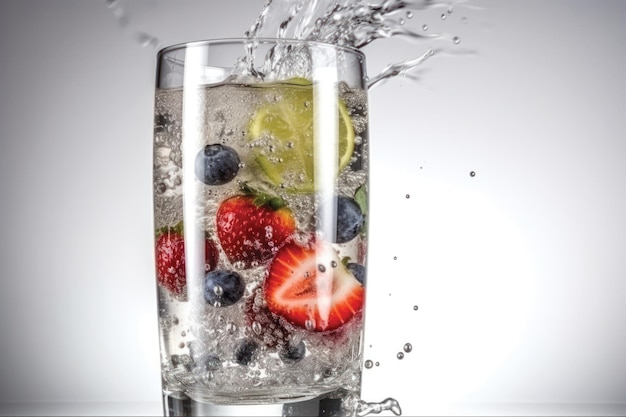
(311, 288)
(251, 228)
(170, 259)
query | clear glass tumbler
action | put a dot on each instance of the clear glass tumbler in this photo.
(260, 209)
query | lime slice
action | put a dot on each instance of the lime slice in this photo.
(283, 137)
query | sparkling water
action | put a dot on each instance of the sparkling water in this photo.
(199, 356)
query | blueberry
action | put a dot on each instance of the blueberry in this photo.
(358, 271)
(291, 353)
(350, 219)
(216, 164)
(245, 352)
(223, 288)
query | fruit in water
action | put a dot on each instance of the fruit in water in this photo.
(245, 352)
(350, 219)
(311, 288)
(252, 228)
(293, 353)
(358, 271)
(288, 124)
(216, 164)
(170, 259)
(267, 328)
(223, 288)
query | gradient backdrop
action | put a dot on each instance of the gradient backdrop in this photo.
(519, 271)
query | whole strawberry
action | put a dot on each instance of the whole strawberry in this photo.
(252, 227)
(170, 259)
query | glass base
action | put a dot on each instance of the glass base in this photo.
(333, 404)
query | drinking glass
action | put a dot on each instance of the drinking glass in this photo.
(260, 211)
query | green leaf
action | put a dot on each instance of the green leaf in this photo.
(360, 196)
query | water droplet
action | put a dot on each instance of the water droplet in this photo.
(218, 290)
(183, 333)
(368, 364)
(333, 264)
(444, 16)
(408, 347)
(181, 345)
(415, 308)
(408, 196)
(400, 355)
(472, 174)
(401, 21)
(409, 14)
(377, 364)
(424, 27)
(395, 258)
(456, 40)
(321, 268)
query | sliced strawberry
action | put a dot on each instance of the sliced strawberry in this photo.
(252, 228)
(311, 288)
(170, 259)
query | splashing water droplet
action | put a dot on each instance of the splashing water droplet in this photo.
(400, 355)
(408, 347)
(408, 196)
(391, 404)
(368, 364)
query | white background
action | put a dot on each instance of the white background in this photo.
(519, 271)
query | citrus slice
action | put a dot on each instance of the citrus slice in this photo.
(283, 137)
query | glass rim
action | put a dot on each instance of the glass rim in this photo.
(264, 40)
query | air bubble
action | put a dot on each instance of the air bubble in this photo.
(368, 364)
(395, 258)
(409, 14)
(408, 196)
(456, 40)
(424, 27)
(472, 174)
(415, 308)
(321, 268)
(218, 290)
(408, 347)
(444, 16)
(333, 264)
(377, 364)
(400, 355)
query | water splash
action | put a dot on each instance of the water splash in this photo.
(389, 404)
(351, 23)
